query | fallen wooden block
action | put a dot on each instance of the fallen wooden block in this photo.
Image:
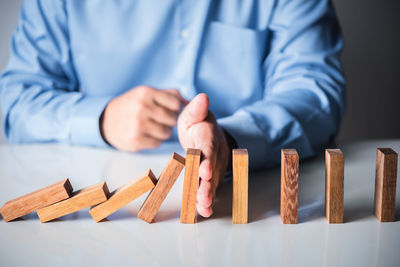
(190, 186)
(164, 184)
(240, 165)
(81, 199)
(289, 185)
(385, 184)
(38, 199)
(124, 195)
(334, 185)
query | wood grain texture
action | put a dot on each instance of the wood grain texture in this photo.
(38, 199)
(289, 185)
(334, 185)
(240, 165)
(385, 184)
(190, 186)
(124, 195)
(81, 199)
(165, 182)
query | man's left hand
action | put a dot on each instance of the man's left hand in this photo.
(198, 128)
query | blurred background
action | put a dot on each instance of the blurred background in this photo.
(371, 60)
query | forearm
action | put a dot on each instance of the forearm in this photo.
(37, 114)
(40, 97)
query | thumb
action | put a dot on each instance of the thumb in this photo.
(196, 111)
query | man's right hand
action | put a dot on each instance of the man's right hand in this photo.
(141, 118)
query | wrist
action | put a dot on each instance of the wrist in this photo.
(102, 127)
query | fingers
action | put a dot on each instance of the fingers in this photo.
(212, 170)
(205, 170)
(209, 181)
(177, 93)
(170, 99)
(196, 111)
(209, 148)
(163, 115)
(204, 196)
(205, 212)
(204, 199)
(166, 106)
(157, 130)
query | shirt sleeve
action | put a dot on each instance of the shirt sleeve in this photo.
(304, 97)
(40, 96)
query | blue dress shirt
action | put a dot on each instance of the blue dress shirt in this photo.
(271, 68)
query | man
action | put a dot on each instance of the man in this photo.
(261, 75)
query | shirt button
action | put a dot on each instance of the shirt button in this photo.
(185, 33)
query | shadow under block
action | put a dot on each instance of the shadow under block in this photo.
(164, 184)
(38, 199)
(289, 185)
(385, 184)
(334, 185)
(240, 165)
(81, 199)
(124, 195)
(190, 186)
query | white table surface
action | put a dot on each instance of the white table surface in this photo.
(125, 240)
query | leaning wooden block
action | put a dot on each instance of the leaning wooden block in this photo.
(334, 185)
(289, 185)
(385, 184)
(124, 195)
(81, 199)
(240, 164)
(38, 199)
(190, 186)
(164, 184)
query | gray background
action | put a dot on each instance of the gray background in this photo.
(371, 61)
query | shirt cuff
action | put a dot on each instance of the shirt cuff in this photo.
(244, 130)
(84, 121)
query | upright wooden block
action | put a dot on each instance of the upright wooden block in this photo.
(38, 199)
(190, 185)
(385, 184)
(240, 165)
(334, 185)
(81, 199)
(164, 184)
(289, 185)
(124, 195)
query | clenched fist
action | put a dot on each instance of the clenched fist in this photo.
(141, 118)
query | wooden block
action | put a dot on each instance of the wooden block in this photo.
(289, 185)
(124, 195)
(385, 184)
(190, 185)
(81, 199)
(38, 199)
(240, 165)
(164, 184)
(334, 185)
